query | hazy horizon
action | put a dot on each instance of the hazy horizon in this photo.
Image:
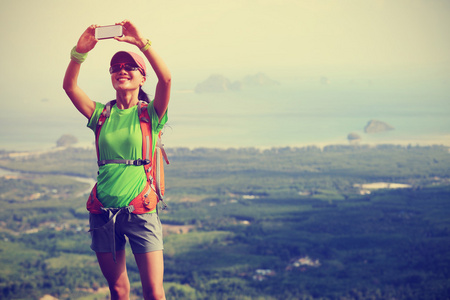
(372, 47)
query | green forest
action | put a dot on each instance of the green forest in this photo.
(339, 222)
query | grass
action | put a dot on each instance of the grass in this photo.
(68, 260)
(177, 244)
(14, 255)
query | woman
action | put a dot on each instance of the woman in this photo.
(119, 184)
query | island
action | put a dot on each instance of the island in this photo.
(217, 83)
(353, 138)
(375, 126)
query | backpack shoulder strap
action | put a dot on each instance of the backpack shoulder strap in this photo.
(146, 128)
(107, 110)
(101, 120)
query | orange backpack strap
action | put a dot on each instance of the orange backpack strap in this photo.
(101, 120)
(146, 128)
(147, 153)
(155, 170)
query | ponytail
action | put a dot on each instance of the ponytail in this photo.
(143, 95)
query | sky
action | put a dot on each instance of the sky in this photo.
(287, 39)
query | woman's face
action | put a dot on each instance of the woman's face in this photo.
(123, 80)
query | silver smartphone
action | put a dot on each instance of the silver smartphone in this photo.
(108, 32)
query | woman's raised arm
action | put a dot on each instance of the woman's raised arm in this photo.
(78, 97)
(162, 93)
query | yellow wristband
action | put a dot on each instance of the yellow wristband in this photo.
(145, 48)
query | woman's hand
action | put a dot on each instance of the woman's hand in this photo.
(87, 40)
(131, 34)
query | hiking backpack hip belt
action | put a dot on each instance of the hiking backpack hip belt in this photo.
(145, 202)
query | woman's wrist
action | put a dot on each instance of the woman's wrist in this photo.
(144, 45)
(77, 56)
(141, 42)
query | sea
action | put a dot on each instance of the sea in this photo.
(290, 114)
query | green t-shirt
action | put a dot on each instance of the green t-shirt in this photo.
(121, 138)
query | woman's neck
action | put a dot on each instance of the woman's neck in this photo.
(126, 99)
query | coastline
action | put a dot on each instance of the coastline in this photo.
(438, 140)
(371, 141)
(422, 142)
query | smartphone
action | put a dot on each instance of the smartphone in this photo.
(108, 32)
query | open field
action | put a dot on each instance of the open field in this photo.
(285, 223)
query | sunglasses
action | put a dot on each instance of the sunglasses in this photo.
(126, 66)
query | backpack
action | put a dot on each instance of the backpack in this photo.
(153, 192)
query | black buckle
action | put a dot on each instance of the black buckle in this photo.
(141, 162)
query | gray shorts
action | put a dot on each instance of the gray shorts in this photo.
(108, 231)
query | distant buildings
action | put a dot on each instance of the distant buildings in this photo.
(302, 264)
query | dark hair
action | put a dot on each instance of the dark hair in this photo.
(143, 95)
